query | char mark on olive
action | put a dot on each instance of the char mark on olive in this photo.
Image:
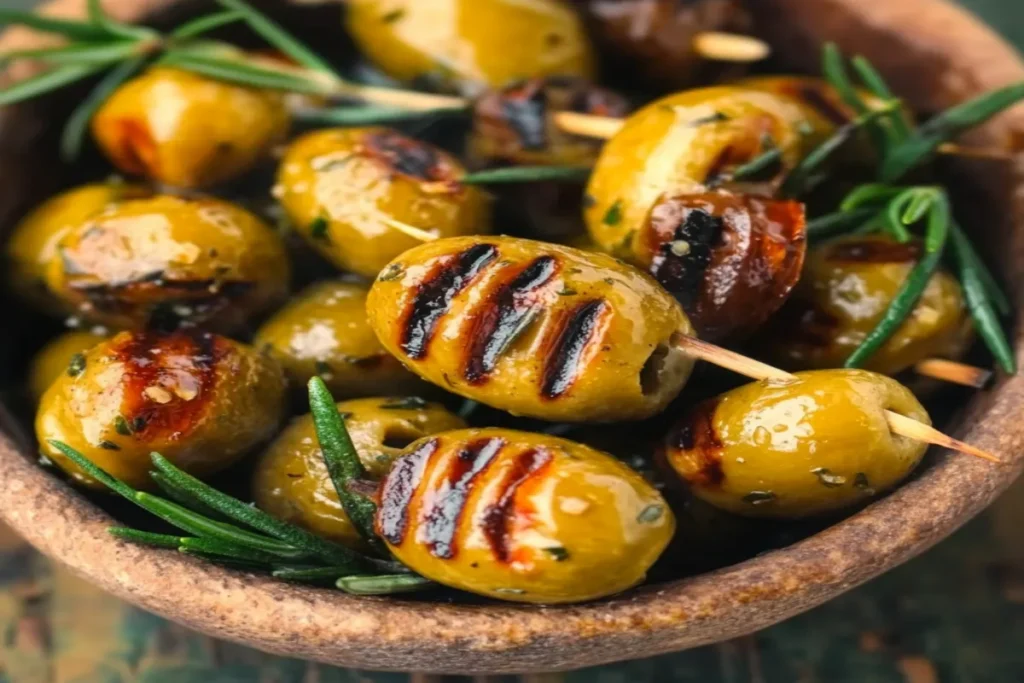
(496, 520)
(697, 436)
(525, 110)
(505, 315)
(440, 521)
(398, 490)
(564, 362)
(434, 295)
(169, 381)
(875, 251)
(407, 156)
(680, 264)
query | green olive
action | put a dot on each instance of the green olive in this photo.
(324, 332)
(532, 328)
(54, 359)
(34, 241)
(350, 191)
(470, 45)
(291, 480)
(187, 130)
(846, 287)
(167, 260)
(522, 517)
(686, 144)
(201, 400)
(789, 449)
(516, 124)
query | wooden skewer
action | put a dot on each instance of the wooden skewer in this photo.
(956, 373)
(411, 231)
(899, 424)
(730, 47)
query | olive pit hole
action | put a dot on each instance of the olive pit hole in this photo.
(651, 372)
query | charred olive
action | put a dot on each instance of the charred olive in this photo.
(731, 260)
(522, 517)
(187, 130)
(532, 328)
(468, 45)
(687, 144)
(199, 399)
(291, 480)
(345, 189)
(167, 260)
(817, 443)
(516, 124)
(654, 39)
(60, 356)
(34, 241)
(324, 331)
(846, 287)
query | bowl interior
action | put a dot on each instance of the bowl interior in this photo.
(798, 565)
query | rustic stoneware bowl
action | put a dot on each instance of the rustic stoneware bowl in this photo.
(932, 53)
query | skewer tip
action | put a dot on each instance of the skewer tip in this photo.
(912, 429)
(730, 47)
(956, 373)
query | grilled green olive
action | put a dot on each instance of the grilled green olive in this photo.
(846, 287)
(199, 399)
(533, 328)
(291, 480)
(33, 243)
(815, 444)
(324, 331)
(350, 191)
(654, 39)
(685, 144)
(521, 517)
(516, 124)
(730, 259)
(469, 45)
(55, 359)
(168, 260)
(187, 130)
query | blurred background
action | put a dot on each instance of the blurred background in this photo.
(954, 614)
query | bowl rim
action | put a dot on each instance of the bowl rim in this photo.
(393, 634)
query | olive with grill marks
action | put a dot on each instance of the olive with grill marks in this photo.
(521, 517)
(532, 328)
(201, 400)
(165, 261)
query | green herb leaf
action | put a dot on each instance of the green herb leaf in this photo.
(214, 549)
(73, 135)
(342, 460)
(257, 519)
(237, 70)
(527, 174)
(880, 89)
(837, 223)
(277, 36)
(876, 194)
(210, 22)
(920, 147)
(311, 574)
(101, 20)
(69, 28)
(613, 216)
(834, 71)
(753, 167)
(383, 584)
(318, 229)
(45, 82)
(77, 365)
(558, 553)
(366, 115)
(76, 54)
(145, 537)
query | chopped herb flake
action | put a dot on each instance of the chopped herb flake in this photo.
(318, 229)
(392, 272)
(557, 552)
(759, 497)
(109, 446)
(651, 513)
(121, 426)
(77, 365)
(613, 216)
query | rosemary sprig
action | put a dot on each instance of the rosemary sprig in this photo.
(342, 460)
(527, 174)
(277, 36)
(834, 71)
(69, 28)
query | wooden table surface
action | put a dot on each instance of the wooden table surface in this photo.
(954, 614)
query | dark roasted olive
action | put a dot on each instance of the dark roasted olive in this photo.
(199, 399)
(187, 130)
(350, 191)
(654, 39)
(167, 260)
(730, 259)
(470, 45)
(291, 480)
(846, 287)
(796, 448)
(521, 517)
(324, 332)
(533, 328)
(516, 123)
